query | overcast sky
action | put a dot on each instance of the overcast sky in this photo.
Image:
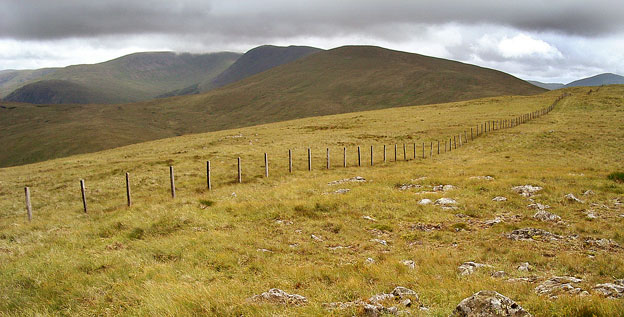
(550, 40)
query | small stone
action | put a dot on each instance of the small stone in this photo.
(488, 303)
(404, 187)
(368, 218)
(375, 299)
(493, 221)
(407, 302)
(468, 268)
(524, 267)
(443, 188)
(342, 191)
(316, 238)
(275, 295)
(380, 241)
(233, 194)
(445, 201)
(601, 243)
(356, 179)
(283, 222)
(370, 261)
(409, 263)
(609, 290)
(499, 274)
(264, 250)
(588, 192)
(425, 201)
(544, 215)
(487, 177)
(572, 198)
(499, 198)
(402, 292)
(538, 206)
(526, 190)
(532, 234)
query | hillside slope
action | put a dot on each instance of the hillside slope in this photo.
(13, 79)
(598, 80)
(342, 80)
(56, 91)
(209, 252)
(133, 77)
(549, 86)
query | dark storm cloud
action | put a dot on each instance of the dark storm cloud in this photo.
(42, 19)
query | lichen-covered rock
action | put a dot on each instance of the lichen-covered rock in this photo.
(538, 206)
(469, 267)
(404, 187)
(532, 234)
(499, 198)
(499, 274)
(588, 192)
(558, 285)
(425, 201)
(609, 290)
(374, 306)
(487, 178)
(278, 296)
(606, 244)
(342, 191)
(443, 188)
(525, 267)
(445, 202)
(489, 303)
(357, 179)
(544, 215)
(572, 198)
(409, 263)
(526, 190)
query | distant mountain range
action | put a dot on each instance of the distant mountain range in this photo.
(598, 80)
(345, 79)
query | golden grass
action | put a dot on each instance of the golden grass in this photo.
(179, 257)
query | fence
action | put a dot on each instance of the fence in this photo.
(480, 130)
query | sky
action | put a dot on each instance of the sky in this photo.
(549, 40)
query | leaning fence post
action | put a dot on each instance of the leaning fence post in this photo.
(240, 171)
(471, 137)
(84, 195)
(404, 153)
(266, 165)
(172, 179)
(128, 196)
(28, 205)
(309, 159)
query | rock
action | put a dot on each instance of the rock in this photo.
(369, 218)
(468, 268)
(283, 222)
(572, 198)
(425, 201)
(403, 292)
(370, 261)
(532, 234)
(530, 279)
(609, 290)
(619, 282)
(588, 192)
(544, 215)
(425, 227)
(357, 179)
(493, 221)
(373, 306)
(526, 190)
(342, 191)
(487, 178)
(558, 285)
(316, 238)
(404, 187)
(499, 274)
(275, 295)
(338, 247)
(409, 263)
(525, 267)
(499, 198)
(375, 299)
(445, 201)
(407, 302)
(443, 188)
(380, 241)
(601, 243)
(233, 194)
(264, 250)
(590, 214)
(538, 206)
(378, 310)
(488, 303)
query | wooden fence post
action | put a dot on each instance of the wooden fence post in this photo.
(359, 157)
(438, 147)
(404, 153)
(84, 195)
(466, 136)
(395, 152)
(208, 180)
(460, 140)
(431, 149)
(328, 163)
(28, 205)
(240, 171)
(289, 161)
(445, 146)
(266, 165)
(172, 180)
(309, 159)
(423, 152)
(344, 156)
(384, 154)
(414, 150)
(454, 143)
(128, 195)
(471, 137)
(371, 155)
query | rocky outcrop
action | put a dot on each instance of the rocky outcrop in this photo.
(544, 215)
(488, 303)
(526, 190)
(560, 285)
(468, 268)
(532, 234)
(278, 296)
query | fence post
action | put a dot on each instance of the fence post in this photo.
(445, 146)
(460, 140)
(328, 163)
(404, 153)
(344, 156)
(84, 195)
(289, 161)
(359, 157)
(266, 165)
(240, 171)
(471, 137)
(414, 150)
(208, 180)
(423, 150)
(371, 155)
(28, 205)
(172, 180)
(309, 159)
(438, 147)
(431, 149)
(466, 136)
(395, 152)
(128, 190)
(384, 154)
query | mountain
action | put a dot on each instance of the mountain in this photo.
(13, 79)
(252, 62)
(549, 86)
(130, 78)
(57, 91)
(598, 80)
(345, 79)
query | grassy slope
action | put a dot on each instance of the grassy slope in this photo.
(337, 81)
(13, 79)
(143, 76)
(171, 257)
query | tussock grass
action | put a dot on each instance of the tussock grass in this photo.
(175, 257)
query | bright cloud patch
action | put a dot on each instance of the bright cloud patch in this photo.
(523, 45)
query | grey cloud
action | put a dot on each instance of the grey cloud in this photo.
(36, 19)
